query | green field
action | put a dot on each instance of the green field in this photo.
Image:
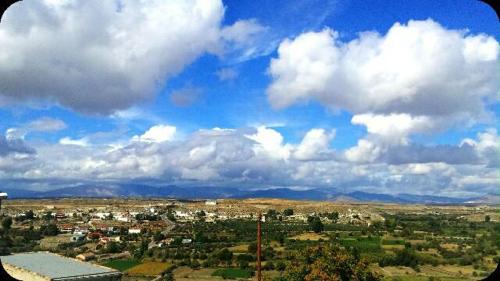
(232, 273)
(122, 265)
(364, 244)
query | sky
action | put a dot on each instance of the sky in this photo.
(376, 96)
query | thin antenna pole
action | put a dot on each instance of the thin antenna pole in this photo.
(259, 246)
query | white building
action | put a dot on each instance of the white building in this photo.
(211, 202)
(134, 231)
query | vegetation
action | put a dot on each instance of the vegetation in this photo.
(322, 246)
(122, 265)
(233, 273)
(328, 263)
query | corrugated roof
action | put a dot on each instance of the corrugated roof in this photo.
(54, 266)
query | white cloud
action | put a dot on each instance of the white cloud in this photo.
(46, 124)
(394, 128)
(419, 68)
(103, 56)
(157, 133)
(13, 143)
(245, 39)
(77, 142)
(15, 133)
(270, 142)
(249, 157)
(242, 31)
(423, 169)
(487, 146)
(364, 151)
(315, 145)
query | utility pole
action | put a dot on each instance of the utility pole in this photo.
(259, 246)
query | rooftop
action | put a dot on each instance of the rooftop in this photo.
(55, 266)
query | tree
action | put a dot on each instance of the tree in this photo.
(244, 259)
(269, 265)
(29, 215)
(113, 247)
(252, 248)
(280, 266)
(271, 214)
(200, 237)
(316, 225)
(49, 230)
(7, 223)
(225, 255)
(328, 264)
(171, 215)
(47, 216)
(487, 218)
(195, 264)
(406, 257)
(288, 212)
(139, 253)
(158, 236)
(333, 216)
(201, 215)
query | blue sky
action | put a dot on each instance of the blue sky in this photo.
(301, 86)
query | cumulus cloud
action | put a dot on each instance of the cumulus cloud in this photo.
(419, 68)
(377, 146)
(418, 78)
(487, 146)
(15, 133)
(77, 142)
(102, 56)
(14, 145)
(395, 128)
(364, 151)
(388, 141)
(315, 145)
(270, 142)
(157, 133)
(253, 157)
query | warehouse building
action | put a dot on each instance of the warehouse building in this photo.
(45, 266)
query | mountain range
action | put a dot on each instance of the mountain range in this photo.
(206, 192)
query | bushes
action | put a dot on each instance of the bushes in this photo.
(405, 257)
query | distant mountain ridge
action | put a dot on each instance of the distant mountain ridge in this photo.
(201, 192)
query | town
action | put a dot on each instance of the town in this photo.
(167, 239)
